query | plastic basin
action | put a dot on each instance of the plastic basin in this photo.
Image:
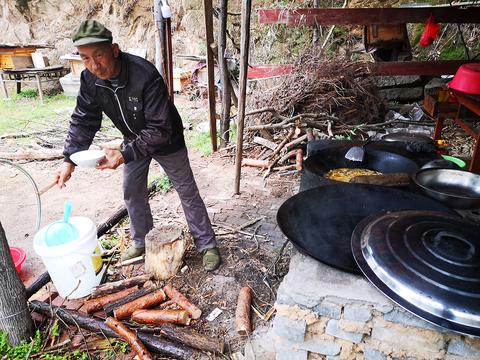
(467, 79)
(18, 256)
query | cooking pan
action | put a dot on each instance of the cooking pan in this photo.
(320, 221)
(456, 188)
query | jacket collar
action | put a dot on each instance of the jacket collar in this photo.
(122, 77)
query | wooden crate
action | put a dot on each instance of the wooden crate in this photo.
(16, 58)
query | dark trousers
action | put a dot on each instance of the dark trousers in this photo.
(177, 168)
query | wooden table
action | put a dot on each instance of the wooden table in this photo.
(31, 76)
(472, 103)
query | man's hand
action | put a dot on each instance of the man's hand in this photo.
(64, 174)
(112, 160)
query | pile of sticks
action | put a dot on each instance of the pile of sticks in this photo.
(151, 310)
(319, 99)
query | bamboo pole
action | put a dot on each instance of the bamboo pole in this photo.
(244, 51)
(208, 12)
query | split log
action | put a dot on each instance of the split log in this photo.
(164, 251)
(287, 156)
(267, 143)
(182, 301)
(296, 142)
(255, 163)
(111, 307)
(98, 304)
(15, 319)
(31, 155)
(143, 302)
(159, 317)
(115, 286)
(242, 313)
(167, 305)
(193, 339)
(393, 179)
(130, 337)
(153, 343)
(299, 160)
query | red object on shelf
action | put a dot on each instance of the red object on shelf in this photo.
(467, 79)
(430, 32)
(18, 256)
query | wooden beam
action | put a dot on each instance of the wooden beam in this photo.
(208, 11)
(244, 51)
(427, 68)
(368, 16)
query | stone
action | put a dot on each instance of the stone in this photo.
(309, 282)
(334, 329)
(333, 358)
(402, 94)
(357, 312)
(462, 348)
(292, 355)
(395, 81)
(329, 309)
(193, 23)
(409, 339)
(407, 319)
(321, 347)
(292, 330)
(354, 326)
(373, 354)
(192, 5)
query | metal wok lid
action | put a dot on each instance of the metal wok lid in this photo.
(320, 221)
(427, 262)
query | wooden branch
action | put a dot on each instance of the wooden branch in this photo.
(267, 143)
(143, 302)
(255, 163)
(282, 144)
(115, 286)
(153, 343)
(296, 142)
(299, 160)
(130, 337)
(287, 156)
(182, 301)
(158, 317)
(99, 303)
(39, 282)
(32, 155)
(193, 339)
(242, 313)
(111, 307)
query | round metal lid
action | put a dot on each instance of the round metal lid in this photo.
(427, 262)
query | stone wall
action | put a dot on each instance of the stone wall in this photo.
(324, 313)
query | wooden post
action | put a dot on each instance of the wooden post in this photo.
(244, 51)
(158, 46)
(168, 33)
(224, 74)
(39, 86)
(4, 86)
(15, 318)
(208, 11)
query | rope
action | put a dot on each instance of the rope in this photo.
(12, 315)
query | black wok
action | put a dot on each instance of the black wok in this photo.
(320, 221)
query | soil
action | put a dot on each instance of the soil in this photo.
(247, 260)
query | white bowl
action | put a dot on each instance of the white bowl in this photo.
(87, 158)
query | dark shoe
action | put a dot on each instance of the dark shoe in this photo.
(211, 259)
(133, 252)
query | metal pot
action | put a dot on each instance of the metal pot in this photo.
(456, 188)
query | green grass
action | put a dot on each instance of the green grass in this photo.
(22, 112)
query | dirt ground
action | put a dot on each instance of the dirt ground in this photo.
(248, 259)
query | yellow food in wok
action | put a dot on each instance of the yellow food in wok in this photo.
(346, 174)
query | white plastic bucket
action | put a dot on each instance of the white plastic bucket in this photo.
(75, 267)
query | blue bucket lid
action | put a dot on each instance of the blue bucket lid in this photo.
(61, 232)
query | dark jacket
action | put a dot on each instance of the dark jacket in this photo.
(139, 108)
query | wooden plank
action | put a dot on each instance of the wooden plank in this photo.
(430, 68)
(208, 11)
(244, 52)
(368, 16)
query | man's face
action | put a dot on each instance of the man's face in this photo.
(101, 59)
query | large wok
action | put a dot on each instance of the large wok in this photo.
(320, 221)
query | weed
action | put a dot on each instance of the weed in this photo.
(163, 184)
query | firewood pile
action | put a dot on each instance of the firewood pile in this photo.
(320, 99)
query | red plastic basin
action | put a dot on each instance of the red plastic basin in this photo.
(18, 256)
(467, 79)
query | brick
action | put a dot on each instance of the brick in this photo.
(291, 355)
(461, 348)
(373, 354)
(407, 319)
(334, 329)
(321, 347)
(329, 309)
(357, 312)
(292, 330)
(409, 338)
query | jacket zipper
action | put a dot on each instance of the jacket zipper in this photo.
(120, 106)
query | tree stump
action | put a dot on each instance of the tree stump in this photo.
(15, 317)
(164, 250)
